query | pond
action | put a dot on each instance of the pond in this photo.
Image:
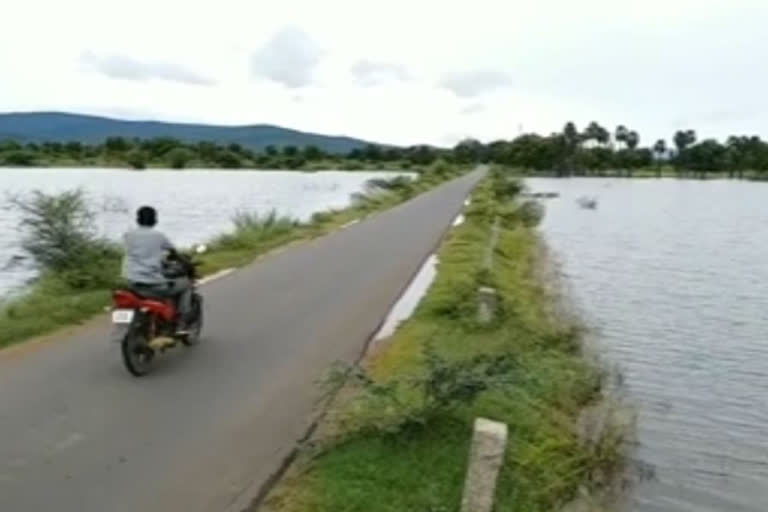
(673, 276)
(193, 206)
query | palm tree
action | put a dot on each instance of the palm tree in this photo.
(572, 140)
(603, 136)
(632, 139)
(621, 138)
(571, 134)
(621, 133)
(691, 136)
(683, 140)
(592, 132)
(660, 149)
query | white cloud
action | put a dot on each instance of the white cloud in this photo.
(655, 66)
(289, 57)
(473, 108)
(468, 84)
(127, 68)
(369, 73)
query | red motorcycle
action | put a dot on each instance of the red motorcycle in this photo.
(146, 324)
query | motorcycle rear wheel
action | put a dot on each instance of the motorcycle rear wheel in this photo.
(196, 327)
(137, 355)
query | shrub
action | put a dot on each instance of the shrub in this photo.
(415, 400)
(321, 217)
(20, 158)
(529, 214)
(178, 158)
(401, 185)
(137, 159)
(252, 228)
(440, 168)
(58, 232)
(505, 187)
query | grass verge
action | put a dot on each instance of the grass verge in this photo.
(397, 435)
(62, 299)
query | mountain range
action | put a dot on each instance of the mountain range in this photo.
(65, 127)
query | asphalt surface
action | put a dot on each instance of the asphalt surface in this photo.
(210, 424)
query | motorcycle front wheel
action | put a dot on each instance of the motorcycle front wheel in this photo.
(137, 355)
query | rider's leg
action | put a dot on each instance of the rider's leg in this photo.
(182, 289)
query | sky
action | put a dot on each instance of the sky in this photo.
(399, 72)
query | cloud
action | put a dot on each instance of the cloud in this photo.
(289, 58)
(717, 116)
(473, 108)
(369, 73)
(122, 67)
(474, 83)
(656, 75)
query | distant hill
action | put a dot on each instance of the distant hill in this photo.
(63, 127)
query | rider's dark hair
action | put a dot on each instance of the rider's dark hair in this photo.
(146, 216)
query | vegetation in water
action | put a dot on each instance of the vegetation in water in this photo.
(397, 434)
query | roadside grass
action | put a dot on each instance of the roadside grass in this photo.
(385, 446)
(58, 299)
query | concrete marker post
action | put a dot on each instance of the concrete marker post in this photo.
(487, 300)
(486, 456)
(488, 259)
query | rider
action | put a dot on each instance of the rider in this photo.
(145, 250)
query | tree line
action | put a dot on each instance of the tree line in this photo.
(175, 154)
(595, 150)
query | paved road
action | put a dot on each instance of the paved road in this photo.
(78, 434)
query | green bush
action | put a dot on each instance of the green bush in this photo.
(440, 168)
(137, 159)
(178, 158)
(416, 400)
(322, 217)
(252, 228)
(20, 158)
(59, 233)
(401, 185)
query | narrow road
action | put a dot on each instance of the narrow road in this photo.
(210, 424)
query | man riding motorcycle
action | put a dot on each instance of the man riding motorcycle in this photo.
(146, 253)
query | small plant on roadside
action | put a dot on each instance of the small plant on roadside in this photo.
(322, 217)
(415, 400)
(529, 213)
(401, 185)
(505, 187)
(253, 228)
(440, 168)
(59, 233)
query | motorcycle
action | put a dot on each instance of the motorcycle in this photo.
(146, 325)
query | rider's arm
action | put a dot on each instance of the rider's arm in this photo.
(168, 246)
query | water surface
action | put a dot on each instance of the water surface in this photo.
(193, 206)
(674, 277)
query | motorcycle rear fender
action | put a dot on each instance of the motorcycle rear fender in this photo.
(129, 300)
(119, 332)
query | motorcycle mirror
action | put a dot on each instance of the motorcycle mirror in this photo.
(200, 249)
